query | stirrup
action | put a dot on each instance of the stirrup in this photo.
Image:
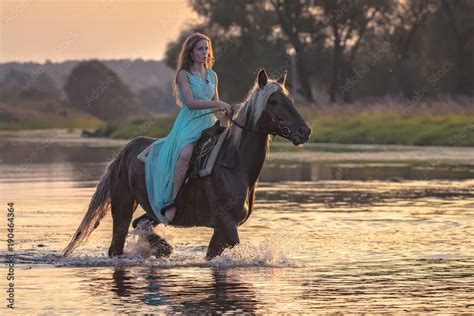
(165, 208)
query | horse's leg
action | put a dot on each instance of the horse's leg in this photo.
(216, 246)
(226, 235)
(123, 206)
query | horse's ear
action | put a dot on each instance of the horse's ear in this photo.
(262, 78)
(282, 79)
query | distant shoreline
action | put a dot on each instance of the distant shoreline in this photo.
(358, 128)
(445, 122)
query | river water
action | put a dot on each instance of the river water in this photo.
(351, 228)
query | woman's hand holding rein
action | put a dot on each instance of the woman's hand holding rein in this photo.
(224, 107)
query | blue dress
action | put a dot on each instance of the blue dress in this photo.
(161, 160)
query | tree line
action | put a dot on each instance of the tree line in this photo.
(340, 50)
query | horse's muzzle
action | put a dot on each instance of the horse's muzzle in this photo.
(301, 135)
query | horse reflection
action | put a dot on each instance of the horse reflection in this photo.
(183, 290)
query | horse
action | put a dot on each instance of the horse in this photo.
(223, 200)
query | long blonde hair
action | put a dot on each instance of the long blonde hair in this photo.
(185, 61)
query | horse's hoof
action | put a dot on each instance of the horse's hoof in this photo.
(144, 222)
(159, 247)
(114, 253)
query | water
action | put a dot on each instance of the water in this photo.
(336, 229)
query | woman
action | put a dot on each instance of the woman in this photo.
(195, 89)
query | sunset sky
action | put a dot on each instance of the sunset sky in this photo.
(37, 30)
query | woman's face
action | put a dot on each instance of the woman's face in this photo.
(200, 51)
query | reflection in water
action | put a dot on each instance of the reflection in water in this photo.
(314, 171)
(354, 163)
(221, 291)
(338, 196)
(184, 290)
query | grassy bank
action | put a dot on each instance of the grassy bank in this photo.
(370, 128)
(70, 123)
(363, 128)
(45, 116)
(442, 123)
(156, 127)
(434, 123)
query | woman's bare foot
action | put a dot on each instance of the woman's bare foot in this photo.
(170, 213)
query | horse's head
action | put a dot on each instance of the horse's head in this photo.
(279, 115)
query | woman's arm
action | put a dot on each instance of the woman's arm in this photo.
(187, 94)
(224, 121)
(216, 93)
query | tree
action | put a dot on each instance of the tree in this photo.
(301, 27)
(238, 50)
(332, 40)
(19, 85)
(349, 22)
(95, 89)
(297, 21)
(460, 16)
(158, 99)
(405, 27)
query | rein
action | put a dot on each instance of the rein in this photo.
(285, 131)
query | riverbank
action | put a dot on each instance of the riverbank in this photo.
(344, 128)
(36, 142)
(434, 123)
(49, 115)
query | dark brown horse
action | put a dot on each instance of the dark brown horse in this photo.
(223, 200)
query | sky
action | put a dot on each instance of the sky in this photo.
(58, 30)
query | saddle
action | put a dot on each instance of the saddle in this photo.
(205, 152)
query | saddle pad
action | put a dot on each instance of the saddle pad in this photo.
(142, 156)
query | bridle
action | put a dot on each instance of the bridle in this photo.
(283, 131)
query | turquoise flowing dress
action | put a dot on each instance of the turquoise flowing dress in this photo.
(161, 160)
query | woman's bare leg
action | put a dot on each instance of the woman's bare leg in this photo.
(180, 171)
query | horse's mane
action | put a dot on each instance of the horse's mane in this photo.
(250, 111)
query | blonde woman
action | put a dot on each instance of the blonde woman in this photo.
(195, 89)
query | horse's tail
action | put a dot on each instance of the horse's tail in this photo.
(99, 206)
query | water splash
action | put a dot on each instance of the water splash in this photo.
(274, 250)
(137, 245)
